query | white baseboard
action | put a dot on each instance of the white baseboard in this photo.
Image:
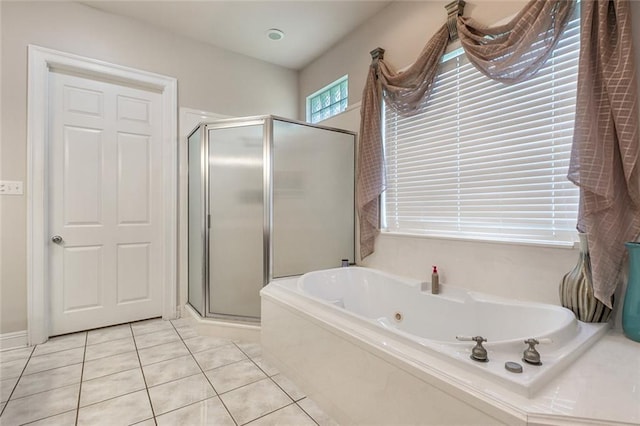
(17, 339)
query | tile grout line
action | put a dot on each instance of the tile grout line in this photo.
(49, 369)
(6, 404)
(112, 398)
(163, 360)
(182, 340)
(305, 411)
(266, 376)
(255, 363)
(84, 347)
(217, 368)
(284, 390)
(185, 406)
(58, 351)
(84, 354)
(48, 417)
(174, 380)
(81, 375)
(205, 376)
(36, 356)
(281, 388)
(53, 389)
(153, 413)
(241, 386)
(46, 390)
(269, 413)
(110, 374)
(294, 401)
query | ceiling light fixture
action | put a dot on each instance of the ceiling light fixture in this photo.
(275, 34)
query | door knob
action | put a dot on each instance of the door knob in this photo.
(56, 239)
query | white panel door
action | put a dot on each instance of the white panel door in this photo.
(105, 197)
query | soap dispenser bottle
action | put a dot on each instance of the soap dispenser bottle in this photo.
(435, 281)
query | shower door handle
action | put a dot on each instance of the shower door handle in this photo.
(57, 239)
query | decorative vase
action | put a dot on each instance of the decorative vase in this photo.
(576, 289)
(631, 307)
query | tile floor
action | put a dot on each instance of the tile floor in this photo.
(146, 373)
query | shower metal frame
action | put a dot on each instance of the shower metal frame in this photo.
(267, 193)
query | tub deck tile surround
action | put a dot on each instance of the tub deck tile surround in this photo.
(146, 373)
(347, 369)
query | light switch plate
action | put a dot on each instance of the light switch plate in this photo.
(10, 187)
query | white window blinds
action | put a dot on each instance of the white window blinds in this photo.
(484, 160)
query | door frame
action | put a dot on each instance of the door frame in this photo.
(41, 62)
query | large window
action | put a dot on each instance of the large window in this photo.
(328, 101)
(485, 160)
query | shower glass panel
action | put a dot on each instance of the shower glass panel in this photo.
(236, 206)
(268, 198)
(313, 193)
(196, 227)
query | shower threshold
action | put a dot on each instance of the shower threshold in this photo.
(248, 331)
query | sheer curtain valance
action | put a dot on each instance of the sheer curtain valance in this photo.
(514, 52)
(508, 53)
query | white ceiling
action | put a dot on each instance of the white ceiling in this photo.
(311, 26)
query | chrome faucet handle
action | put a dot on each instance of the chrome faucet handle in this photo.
(478, 352)
(470, 339)
(531, 354)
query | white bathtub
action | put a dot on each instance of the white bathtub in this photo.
(393, 313)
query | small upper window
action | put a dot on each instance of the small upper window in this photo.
(328, 101)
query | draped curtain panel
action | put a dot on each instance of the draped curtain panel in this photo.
(509, 53)
(404, 92)
(370, 181)
(604, 157)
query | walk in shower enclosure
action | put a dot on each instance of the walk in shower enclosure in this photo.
(268, 198)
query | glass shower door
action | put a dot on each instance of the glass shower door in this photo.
(236, 223)
(196, 227)
(313, 193)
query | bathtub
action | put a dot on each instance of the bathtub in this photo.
(395, 317)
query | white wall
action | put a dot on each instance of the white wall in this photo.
(209, 79)
(518, 271)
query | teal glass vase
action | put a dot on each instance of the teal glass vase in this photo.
(631, 307)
